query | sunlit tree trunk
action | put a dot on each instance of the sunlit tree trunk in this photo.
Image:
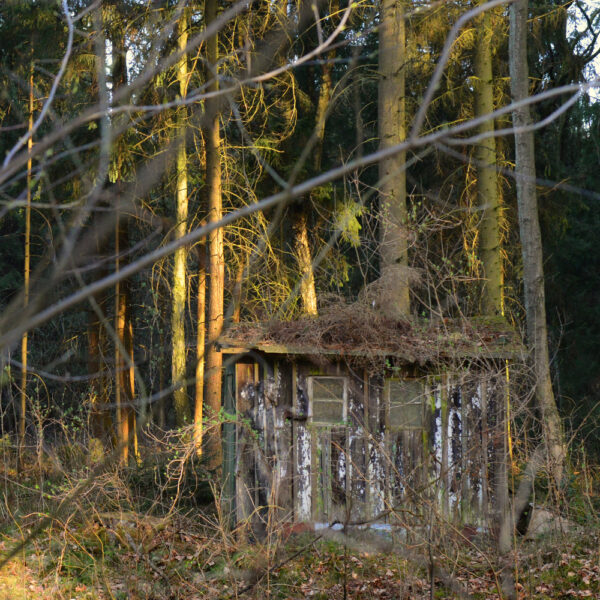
(124, 381)
(124, 365)
(200, 349)
(179, 287)
(531, 242)
(308, 291)
(216, 268)
(392, 131)
(26, 273)
(487, 178)
(130, 382)
(492, 303)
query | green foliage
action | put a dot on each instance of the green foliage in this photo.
(347, 221)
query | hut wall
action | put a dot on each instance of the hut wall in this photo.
(325, 443)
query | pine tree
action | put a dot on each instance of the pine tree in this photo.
(392, 175)
(216, 267)
(531, 243)
(179, 286)
(487, 178)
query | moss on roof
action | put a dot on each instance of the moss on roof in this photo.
(351, 330)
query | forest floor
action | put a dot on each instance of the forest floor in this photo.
(142, 534)
(129, 559)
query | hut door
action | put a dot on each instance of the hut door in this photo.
(405, 452)
(328, 414)
(248, 485)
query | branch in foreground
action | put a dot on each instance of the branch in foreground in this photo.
(13, 335)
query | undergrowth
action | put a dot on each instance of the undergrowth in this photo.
(153, 531)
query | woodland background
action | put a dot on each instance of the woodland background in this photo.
(261, 131)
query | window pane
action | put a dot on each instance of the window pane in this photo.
(406, 415)
(328, 411)
(405, 391)
(406, 403)
(328, 388)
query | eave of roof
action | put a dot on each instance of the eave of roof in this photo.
(445, 351)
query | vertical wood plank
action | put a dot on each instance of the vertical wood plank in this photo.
(230, 455)
(376, 446)
(367, 508)
(283, 382)
(355, 443)
(303, 449)
(455, 446)
(482, 387)
(428, 448)
(465, 409)
(445, 441)
(436, 470)
(245, 481)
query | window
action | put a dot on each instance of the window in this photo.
(405, 401)
(328, 400)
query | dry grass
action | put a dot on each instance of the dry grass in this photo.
(136, 534)
(362, 330)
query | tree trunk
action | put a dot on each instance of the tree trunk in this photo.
(200, 358)
(392, 131)
(487, 179)
(531, 243)
(124, 365)
(214, 358)
(356, 104)
(238, 286)
(179, 287)
(323, 100)
(26, 273)
(160, 417)
(308, 291)
(100, 420)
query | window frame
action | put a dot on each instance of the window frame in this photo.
(344, 400)
(418, 401)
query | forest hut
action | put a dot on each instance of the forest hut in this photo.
(355, 418)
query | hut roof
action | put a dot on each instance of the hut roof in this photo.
(345, 330)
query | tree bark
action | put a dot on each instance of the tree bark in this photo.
(324, 100)
(487, 178)
(214, 358)
(124, 366)
(308, 291)
(531, 243)
(392, 131)
(200, 357)
(100, 419)
(26, 273)
(237, 292)
(179, 287)
(160, 418)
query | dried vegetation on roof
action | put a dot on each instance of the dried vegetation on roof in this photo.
(357, 329)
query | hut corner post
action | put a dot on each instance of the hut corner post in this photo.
(229, 449)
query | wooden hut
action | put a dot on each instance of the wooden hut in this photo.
(326, 423)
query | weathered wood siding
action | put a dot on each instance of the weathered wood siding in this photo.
(325, 443)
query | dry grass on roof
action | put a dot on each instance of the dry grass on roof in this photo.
(358, 328)
(342, 327)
